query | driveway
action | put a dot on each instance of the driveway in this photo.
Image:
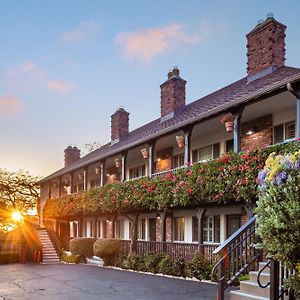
(55, 282)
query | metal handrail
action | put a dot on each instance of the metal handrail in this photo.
(263, 286)
(237, 256)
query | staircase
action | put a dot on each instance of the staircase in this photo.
(250, 290)
(49, 253)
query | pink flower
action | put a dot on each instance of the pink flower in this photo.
(190, 190)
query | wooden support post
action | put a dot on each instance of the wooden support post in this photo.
(187, 144)
(200, 216)
(151, 159)
(237, 114)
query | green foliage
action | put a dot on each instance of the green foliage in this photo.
(9, 258)
(72, 258)
(199, 267)
(151, 262)
(134, 262)
(278, 212)
(82, 246)
(230, 178)
(108, 250)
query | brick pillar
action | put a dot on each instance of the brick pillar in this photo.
(158, 232)
(169, 228)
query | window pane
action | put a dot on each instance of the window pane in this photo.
(278, 134)
(205, 153)
(229, 145)
(217, 229)
(216, 150)
(195, 229)
(290, 130)
(195, 156)
(142, 229)
(179, 229)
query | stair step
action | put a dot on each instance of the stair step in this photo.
(254, 288)
(264, 277)
(243, 295)
(261, 265)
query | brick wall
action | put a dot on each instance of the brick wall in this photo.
(266, 46)
(158, 236)
(262, 136)
(119, 124)
(172, 93)
(169, 229)
(109, 230)
(71, 155)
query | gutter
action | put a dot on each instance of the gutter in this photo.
(205, 115)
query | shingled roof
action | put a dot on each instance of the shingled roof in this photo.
(220, 101)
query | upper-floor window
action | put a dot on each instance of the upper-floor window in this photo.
(137, 172)
(179, 229)
(284, 132)
(178, 160)
(207, 152)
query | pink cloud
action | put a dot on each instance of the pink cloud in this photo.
(29, 75)
(60, 86)
(84, 31)
(10, 106)
(144, 45)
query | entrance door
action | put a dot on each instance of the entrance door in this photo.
(152, 229)
(233, 224)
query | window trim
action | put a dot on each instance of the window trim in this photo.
(284, 131)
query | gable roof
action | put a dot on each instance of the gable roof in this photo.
(232, 95)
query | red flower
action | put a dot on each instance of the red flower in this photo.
(190, 190)
(220, 169)
(126, 202)
(231, 168)
(225, 158)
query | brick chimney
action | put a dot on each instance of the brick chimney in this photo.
(71, 155)
(119, 124)
(266, 47)
(172, 94)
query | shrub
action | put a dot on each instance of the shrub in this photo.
(82, 246)
(151, 261)
(166, 265)
(278, 212)
(72, 258)
(200, 267)
(9, 258)
(134, 262)
(108, 250)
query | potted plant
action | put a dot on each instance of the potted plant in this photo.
(180, 140)
(228, 122)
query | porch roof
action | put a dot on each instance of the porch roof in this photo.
(222, 100)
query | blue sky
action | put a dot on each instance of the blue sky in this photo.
(67, 65)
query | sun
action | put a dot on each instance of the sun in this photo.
(16, 216)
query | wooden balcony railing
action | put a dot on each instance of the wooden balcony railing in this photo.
(175, 250)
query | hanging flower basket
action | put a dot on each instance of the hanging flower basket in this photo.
(180, 141)
(97, 171)
(145, 152)
(228, 122)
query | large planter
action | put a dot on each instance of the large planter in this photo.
(229, 126)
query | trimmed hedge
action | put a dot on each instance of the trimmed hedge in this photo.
(108, 250)
(82, 246)
(9, 258)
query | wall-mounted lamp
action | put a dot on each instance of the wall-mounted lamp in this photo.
(158, 159)
(180, 141)
(145, 152)
(118, 162)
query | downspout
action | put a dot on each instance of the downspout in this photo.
(297, 95)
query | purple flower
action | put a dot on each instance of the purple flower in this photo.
(262, 176)
(297, 165)
(280, 177)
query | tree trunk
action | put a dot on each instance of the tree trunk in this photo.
(133, 219)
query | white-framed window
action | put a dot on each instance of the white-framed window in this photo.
(120, 229)
(211, 229)
(195, 229)
(284, 132)
(142, 229)
(178, 160)
(137, 172)
(207, 152)
(101, 229)
(179, 229)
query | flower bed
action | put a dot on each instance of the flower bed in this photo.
(231, 178)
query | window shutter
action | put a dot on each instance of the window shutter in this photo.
(278, 134)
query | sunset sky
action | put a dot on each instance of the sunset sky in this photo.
(67, 65)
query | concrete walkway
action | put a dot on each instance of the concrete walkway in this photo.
(55, 282)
